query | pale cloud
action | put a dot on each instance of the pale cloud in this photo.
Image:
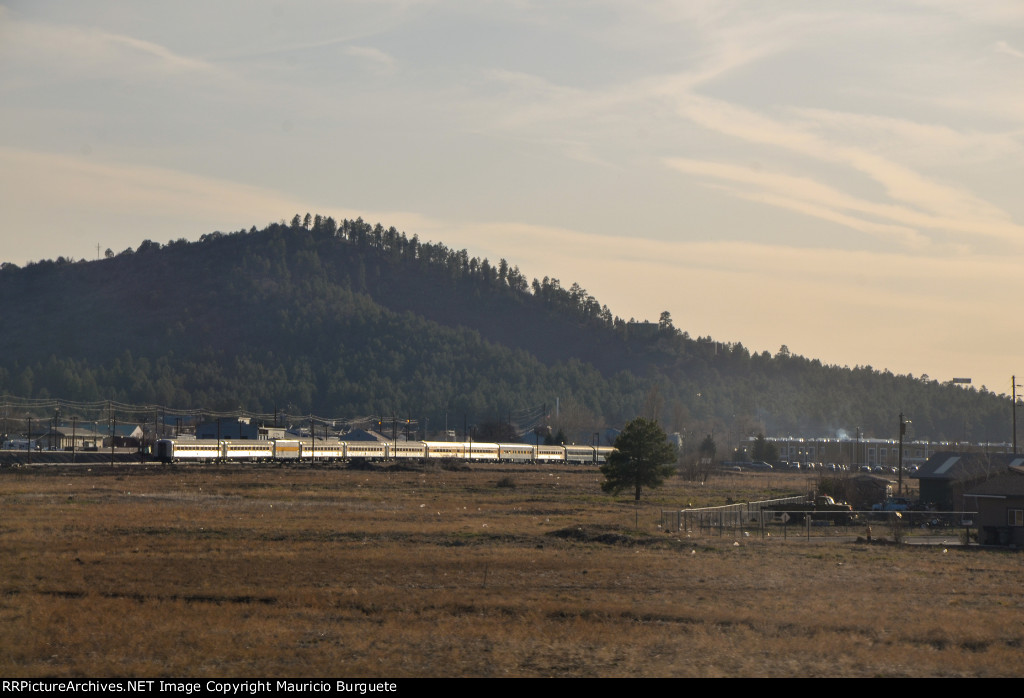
(163, 57)
(908, 224)
(809, 197)
(968, 214)
(534, 101)
(119, 196)
(730, 256)
(928, 144)
(1005, 48)
(83, 50)
(130, 184)
(908, 237)
(930, 203)
(381, 61)
(997, 14)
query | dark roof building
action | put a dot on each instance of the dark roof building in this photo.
(365, 435)
(947, 476)
(228, 428)
(864, 490)
(999, 503)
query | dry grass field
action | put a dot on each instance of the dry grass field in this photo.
(220, 571)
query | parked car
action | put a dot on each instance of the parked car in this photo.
(892, 504)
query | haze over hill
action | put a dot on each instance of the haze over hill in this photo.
(348, 319)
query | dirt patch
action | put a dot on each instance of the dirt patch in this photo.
(598, 534)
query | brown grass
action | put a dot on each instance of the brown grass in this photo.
(289, 572)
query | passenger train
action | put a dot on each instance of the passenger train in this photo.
(333, 450)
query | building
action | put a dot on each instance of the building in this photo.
(73, 438)
(228, 428)
(865, 490)
(127, 436)
(999, 503)
(852, 452)
(948, 475)
(366, 435)
(870, 452)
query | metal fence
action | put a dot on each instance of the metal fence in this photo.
(754, 519)
(728, 516)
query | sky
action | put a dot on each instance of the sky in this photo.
(842, 178)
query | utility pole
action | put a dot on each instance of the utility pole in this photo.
(1013, 382)
(903, 431)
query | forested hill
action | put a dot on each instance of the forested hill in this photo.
(348, 319)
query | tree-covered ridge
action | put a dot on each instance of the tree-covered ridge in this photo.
(282, 318)
(347, 318)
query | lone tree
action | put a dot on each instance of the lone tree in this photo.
(642, 458)
(765, 450)
(708, 449)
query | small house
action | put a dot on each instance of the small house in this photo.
(999, 503)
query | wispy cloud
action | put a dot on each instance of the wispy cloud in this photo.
(381, 61)
(809, 197)
(915, 199)
(83, 50)
(174, 203)
(161, 55)
(1005, 48)
(923, 144)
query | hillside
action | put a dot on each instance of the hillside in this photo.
(351, 320)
